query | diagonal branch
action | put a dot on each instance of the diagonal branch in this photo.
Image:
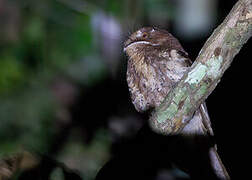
(213, 60)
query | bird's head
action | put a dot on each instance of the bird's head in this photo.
(150, 39)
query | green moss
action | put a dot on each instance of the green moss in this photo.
(201, 91)
(187, 106)
(233, 37)
(214, 65)
(169, 113)
(197, 74)
(180, 95)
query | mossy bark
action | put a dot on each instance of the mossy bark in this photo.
(213, 60)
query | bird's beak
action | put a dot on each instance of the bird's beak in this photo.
(127, 43)
(130, 43)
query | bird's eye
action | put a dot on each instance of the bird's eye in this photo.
(145, 35)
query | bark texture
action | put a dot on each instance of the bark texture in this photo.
(213, 60)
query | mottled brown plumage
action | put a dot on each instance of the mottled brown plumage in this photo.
(156, 63)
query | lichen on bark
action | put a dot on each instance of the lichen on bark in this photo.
(214, 58)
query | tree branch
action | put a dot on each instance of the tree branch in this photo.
(213, 60)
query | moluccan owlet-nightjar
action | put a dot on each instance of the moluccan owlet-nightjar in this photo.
(156, 63)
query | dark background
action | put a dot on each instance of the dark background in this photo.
(64, 102)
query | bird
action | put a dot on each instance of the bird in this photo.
(156, 63)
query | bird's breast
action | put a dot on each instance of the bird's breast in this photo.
(150, 78)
